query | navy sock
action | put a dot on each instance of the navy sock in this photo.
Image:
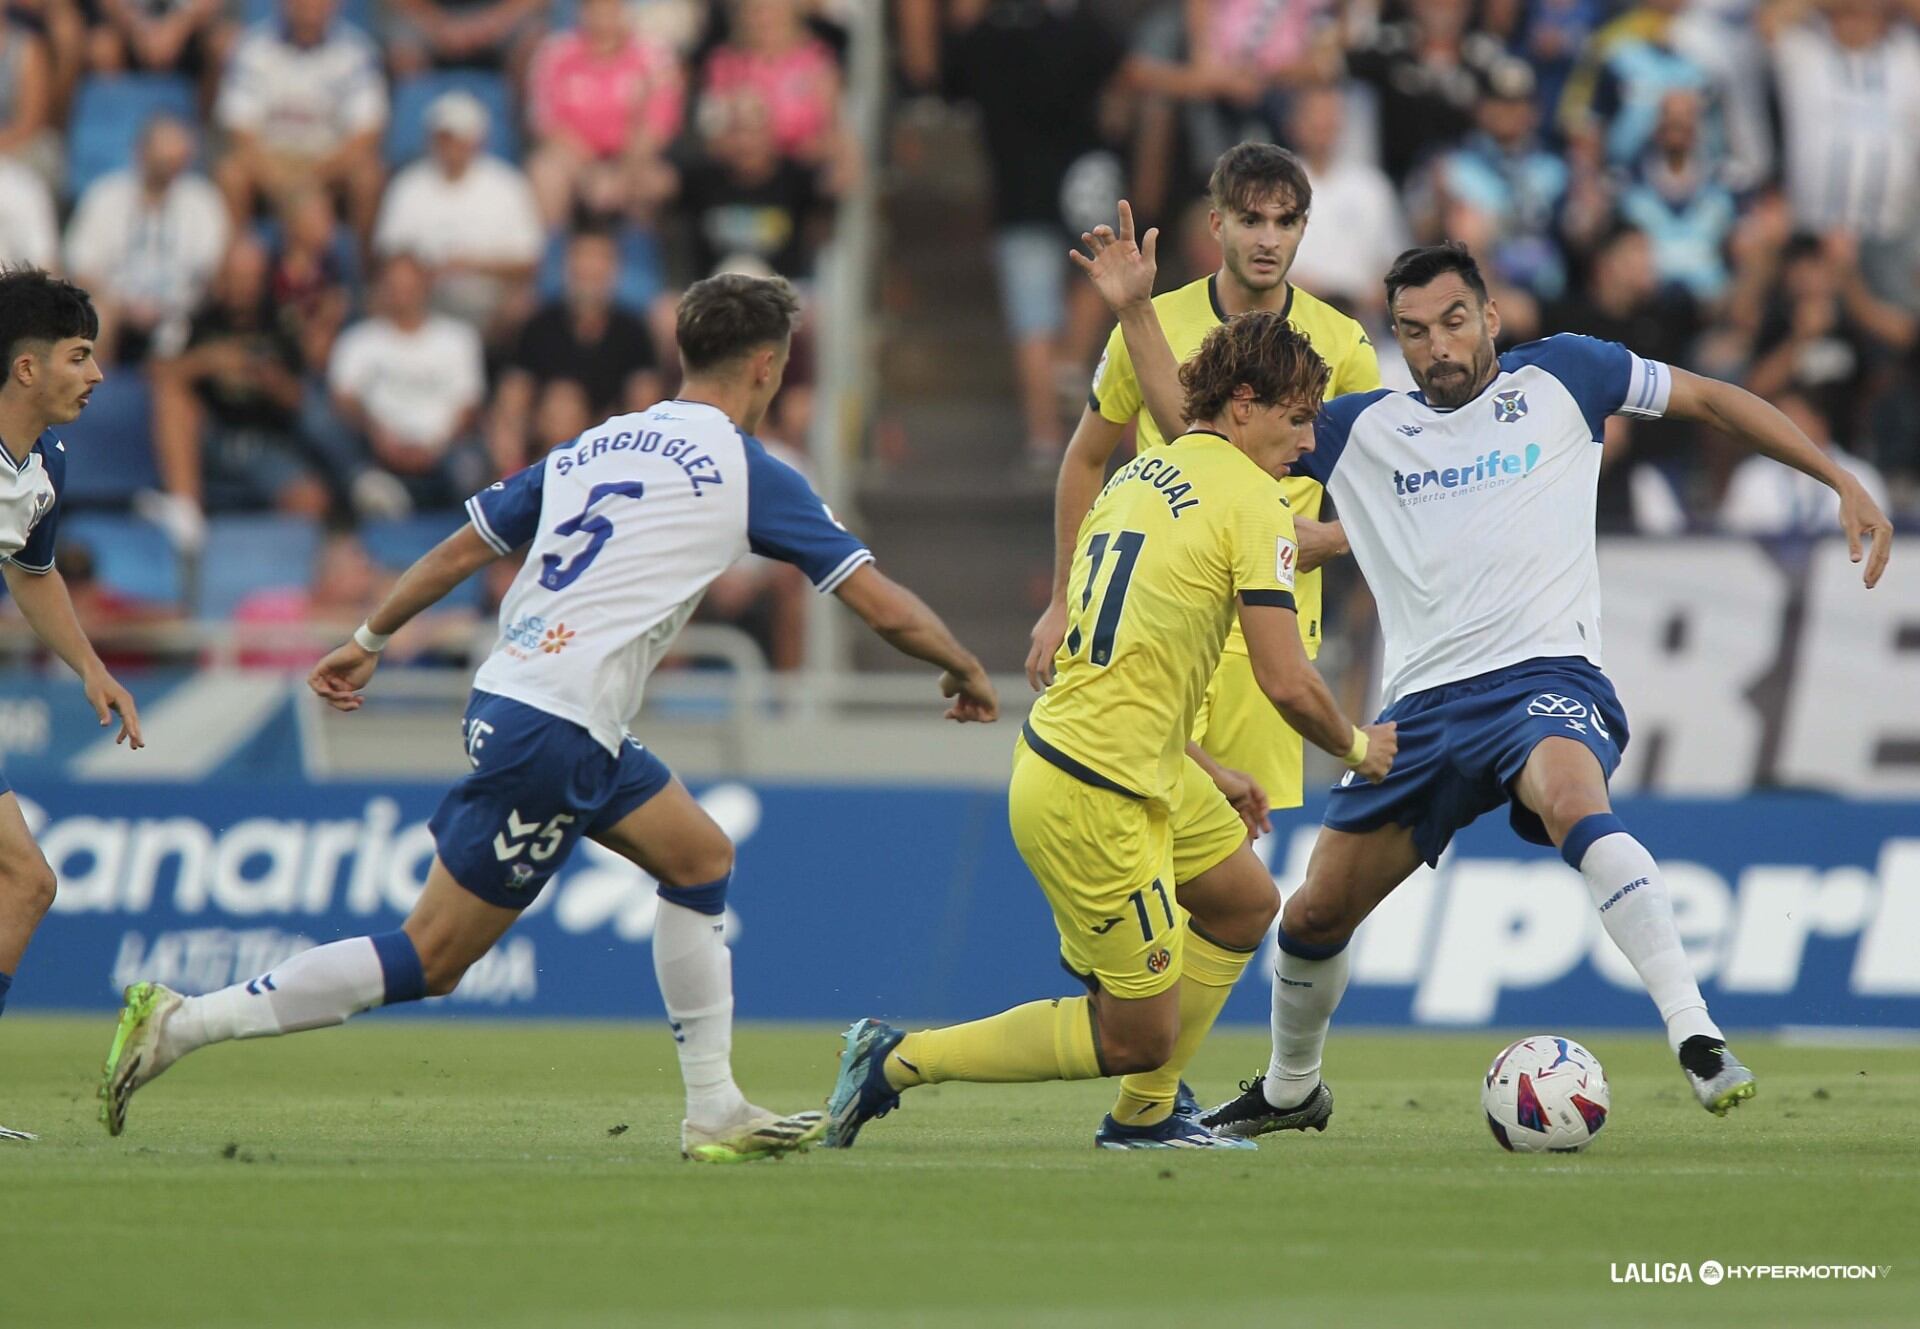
(6, 982)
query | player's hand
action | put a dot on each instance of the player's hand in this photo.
(973, 697)
(1382, 745)
(337, 680)
(1246, 796)
(1121, 270)
(1866, 526)
(1047, 635)
(109, 699)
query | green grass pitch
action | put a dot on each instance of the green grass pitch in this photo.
(415, 1174)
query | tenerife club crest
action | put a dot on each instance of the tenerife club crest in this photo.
(1509, 406)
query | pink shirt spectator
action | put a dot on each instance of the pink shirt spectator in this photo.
(799, 85)
(597, 98)
(1265, 36)
(276, 606)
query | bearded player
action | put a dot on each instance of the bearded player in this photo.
(1470, 507)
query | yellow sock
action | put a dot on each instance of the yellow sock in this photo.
(1208, 973)
(1042, 1040)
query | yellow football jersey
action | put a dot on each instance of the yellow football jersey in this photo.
(1177, 534)
(1187, 315)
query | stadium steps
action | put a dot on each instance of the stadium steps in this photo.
(945, 498)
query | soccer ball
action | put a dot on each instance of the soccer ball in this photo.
(1545, 1094)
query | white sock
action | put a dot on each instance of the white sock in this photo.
(311, 990)
(1305, 993)
(695, 971)
(1637, 911)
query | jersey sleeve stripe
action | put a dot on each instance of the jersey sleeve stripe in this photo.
(38, 569)
(1268, 599)
(848, 566)
(479, 516)
(1651, 387)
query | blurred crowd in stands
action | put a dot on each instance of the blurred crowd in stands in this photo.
(357, 258)
(1728, 185)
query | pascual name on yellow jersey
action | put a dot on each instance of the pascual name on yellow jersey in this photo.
(1174, 537)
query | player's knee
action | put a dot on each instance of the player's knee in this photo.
(709, 861)
(1316, 921)
(29, 885)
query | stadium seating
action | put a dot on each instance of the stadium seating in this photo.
(132, 556)
(245, 554)
(111, 444)
(642, 277)
(360, 13)
(407, 131)
(394, 545)
(108, 115)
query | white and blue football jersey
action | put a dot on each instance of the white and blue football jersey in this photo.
(1475, 526)
(629, 524)
(30, 503)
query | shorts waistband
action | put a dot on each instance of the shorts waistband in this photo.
(1079, 770)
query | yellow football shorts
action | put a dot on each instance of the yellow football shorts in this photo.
(1206, 829)
(1239, 727)
(1105, 863)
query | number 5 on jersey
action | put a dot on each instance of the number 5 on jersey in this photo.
(1125, 547)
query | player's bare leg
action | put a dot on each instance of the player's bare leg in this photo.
(449, 929)
(672, 838)
(1347, 877)
(26, 893)
(1230, 907)
(1564, 785)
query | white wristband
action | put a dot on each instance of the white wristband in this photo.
(370, 641)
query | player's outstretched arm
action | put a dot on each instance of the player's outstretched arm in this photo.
(48, 609)
(1294, 686)
(339, 677)
(1761, 426)
(902, 620)
(1123, 272)
(1083, 470)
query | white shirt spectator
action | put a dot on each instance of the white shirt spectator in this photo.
(1354, 232)
(487, 215)
(303, 100)
(162, 255)
(1766, 498)
(1850, 122)
(418, 383)
(28, 231)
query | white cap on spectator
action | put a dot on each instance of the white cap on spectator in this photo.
(459, 113)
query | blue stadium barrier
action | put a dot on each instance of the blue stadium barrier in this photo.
(245, 554)
(394, 545)
(200, 884)
(131, 556)
(407, 131)
(109, 115)
(110, 446)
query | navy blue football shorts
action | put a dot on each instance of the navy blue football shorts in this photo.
(1463, 744)
(537, 785)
